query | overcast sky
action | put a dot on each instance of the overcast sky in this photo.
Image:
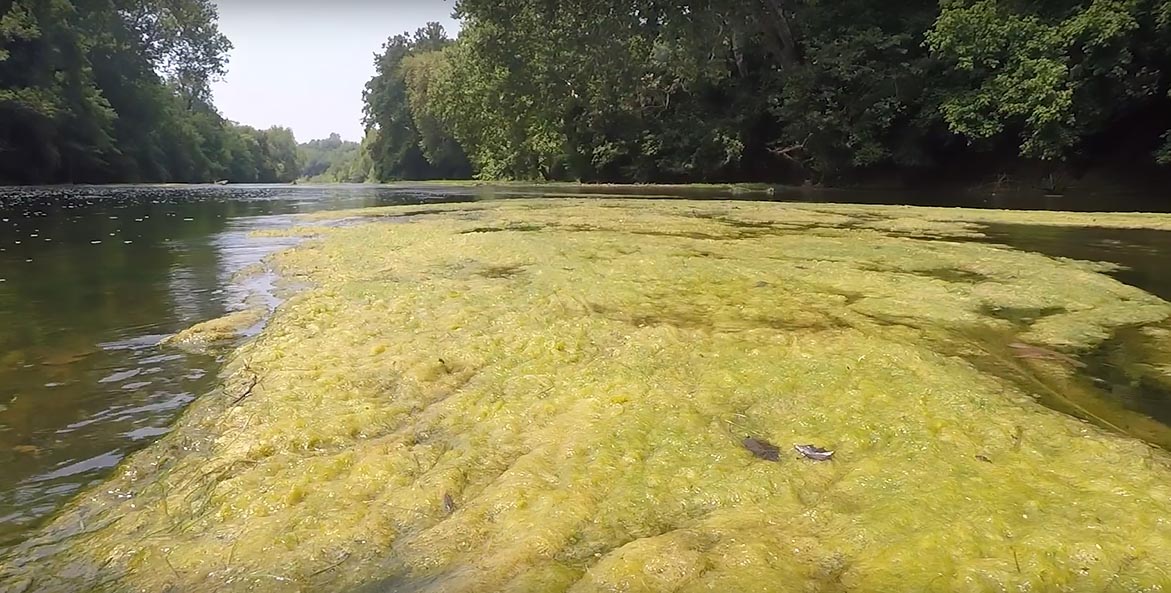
(303, 63)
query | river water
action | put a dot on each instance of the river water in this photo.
(92, 278)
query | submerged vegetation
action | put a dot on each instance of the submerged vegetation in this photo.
(558, 395)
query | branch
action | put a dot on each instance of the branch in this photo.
(787, 152)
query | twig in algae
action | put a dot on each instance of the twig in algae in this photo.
(1125, 565)
(1033, 379)
(167, 559)
(253, 381)
(741, 428)
(345, 557)
(232, 552)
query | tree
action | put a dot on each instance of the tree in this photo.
(53, 118)
(117, 90)
(726, 89)
(181, 40)
(781, 90)
(395, 147)
(439, 147)
(333, 160)
(1050, 76)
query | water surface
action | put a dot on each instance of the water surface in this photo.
(92, 278)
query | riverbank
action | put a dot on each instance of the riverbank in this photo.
(761, 188)
(1109, 198)
(551, 395)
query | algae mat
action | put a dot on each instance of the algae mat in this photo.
(551, 396)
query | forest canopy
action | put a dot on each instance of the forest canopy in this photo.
(771, 90)
(777, 91)
(333, 160)
(118, 91)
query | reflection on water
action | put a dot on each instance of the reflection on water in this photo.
(90, 280)
(1143, 253)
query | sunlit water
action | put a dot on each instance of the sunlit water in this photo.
(92, 278)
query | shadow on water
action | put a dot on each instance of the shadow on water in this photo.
(1121, 368)
(1112, 386)
(988, 197)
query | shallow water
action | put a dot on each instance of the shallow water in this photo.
(1113, 369)
(554, 395)
(92, 278)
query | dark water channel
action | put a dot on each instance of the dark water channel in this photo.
(92, 278)
(1115, 369)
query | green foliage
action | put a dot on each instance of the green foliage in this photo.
(858, 99)
(396, 146)
(613, 90)
(333, 160)
(650, 92)
(733, 90)
(118, 91)
(1049, 75)
(1163, 154)
(181, 38)
(420, 72)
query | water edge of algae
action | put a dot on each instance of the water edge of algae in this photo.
(576, 377)
(218, 331)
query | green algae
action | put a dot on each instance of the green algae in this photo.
(579, 383)
(924, 219)
(217, 332)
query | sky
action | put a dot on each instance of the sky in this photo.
(303, 63)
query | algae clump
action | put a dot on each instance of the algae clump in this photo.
(553, 395)
(218, 331)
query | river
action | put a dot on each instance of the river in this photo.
(91, 278)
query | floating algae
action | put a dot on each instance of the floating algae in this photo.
(587, 408)
(218, 331)
(225, 331)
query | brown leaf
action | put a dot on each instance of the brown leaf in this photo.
(1029, 351)
(762, 448)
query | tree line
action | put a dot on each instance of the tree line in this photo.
(612, 90)
(333, 160)
(118, 91)
(771, 90)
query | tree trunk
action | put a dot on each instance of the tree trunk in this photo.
(738, 54)
(781, 30)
